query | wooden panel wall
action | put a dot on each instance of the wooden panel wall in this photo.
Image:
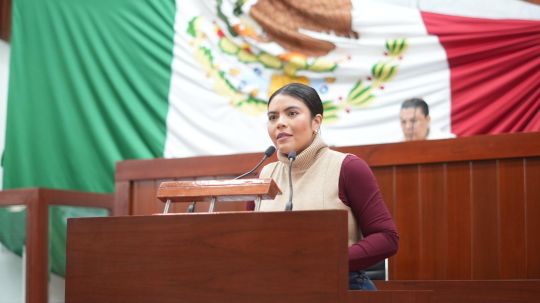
(465, 208)
(465, 220)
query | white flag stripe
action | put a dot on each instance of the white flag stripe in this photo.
(203, 121)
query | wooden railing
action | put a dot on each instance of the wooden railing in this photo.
(37, 202)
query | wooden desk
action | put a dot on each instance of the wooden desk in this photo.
(390, 296)
(471, 291)
(465, 208)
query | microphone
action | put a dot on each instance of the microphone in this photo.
(292, 157)
(269, 152)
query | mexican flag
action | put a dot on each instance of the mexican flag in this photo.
(96, 82)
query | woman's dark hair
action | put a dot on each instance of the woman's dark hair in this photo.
(307, 94)
(416, 103)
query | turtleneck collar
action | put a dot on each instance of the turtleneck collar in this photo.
(307, 156)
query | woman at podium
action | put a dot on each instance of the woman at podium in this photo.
(322, 178)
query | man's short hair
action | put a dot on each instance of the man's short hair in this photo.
(416, 103)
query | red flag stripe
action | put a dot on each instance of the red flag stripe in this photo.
(494, 72)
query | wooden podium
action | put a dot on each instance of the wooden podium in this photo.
(236, 257)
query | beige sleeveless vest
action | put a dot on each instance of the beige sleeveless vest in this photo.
(315, 178)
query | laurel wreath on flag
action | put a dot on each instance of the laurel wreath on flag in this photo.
(285, 68)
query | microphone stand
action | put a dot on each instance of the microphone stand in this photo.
(269, 152)
(253, 169)
(292, 157)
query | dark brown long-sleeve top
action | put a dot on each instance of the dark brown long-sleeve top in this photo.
(359, 190)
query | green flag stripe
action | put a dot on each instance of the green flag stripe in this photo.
(89, 86)
(94, 80)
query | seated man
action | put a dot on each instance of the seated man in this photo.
(415, 121)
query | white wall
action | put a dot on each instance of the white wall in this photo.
(4, 68)
(11, 277)
(12, 280)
